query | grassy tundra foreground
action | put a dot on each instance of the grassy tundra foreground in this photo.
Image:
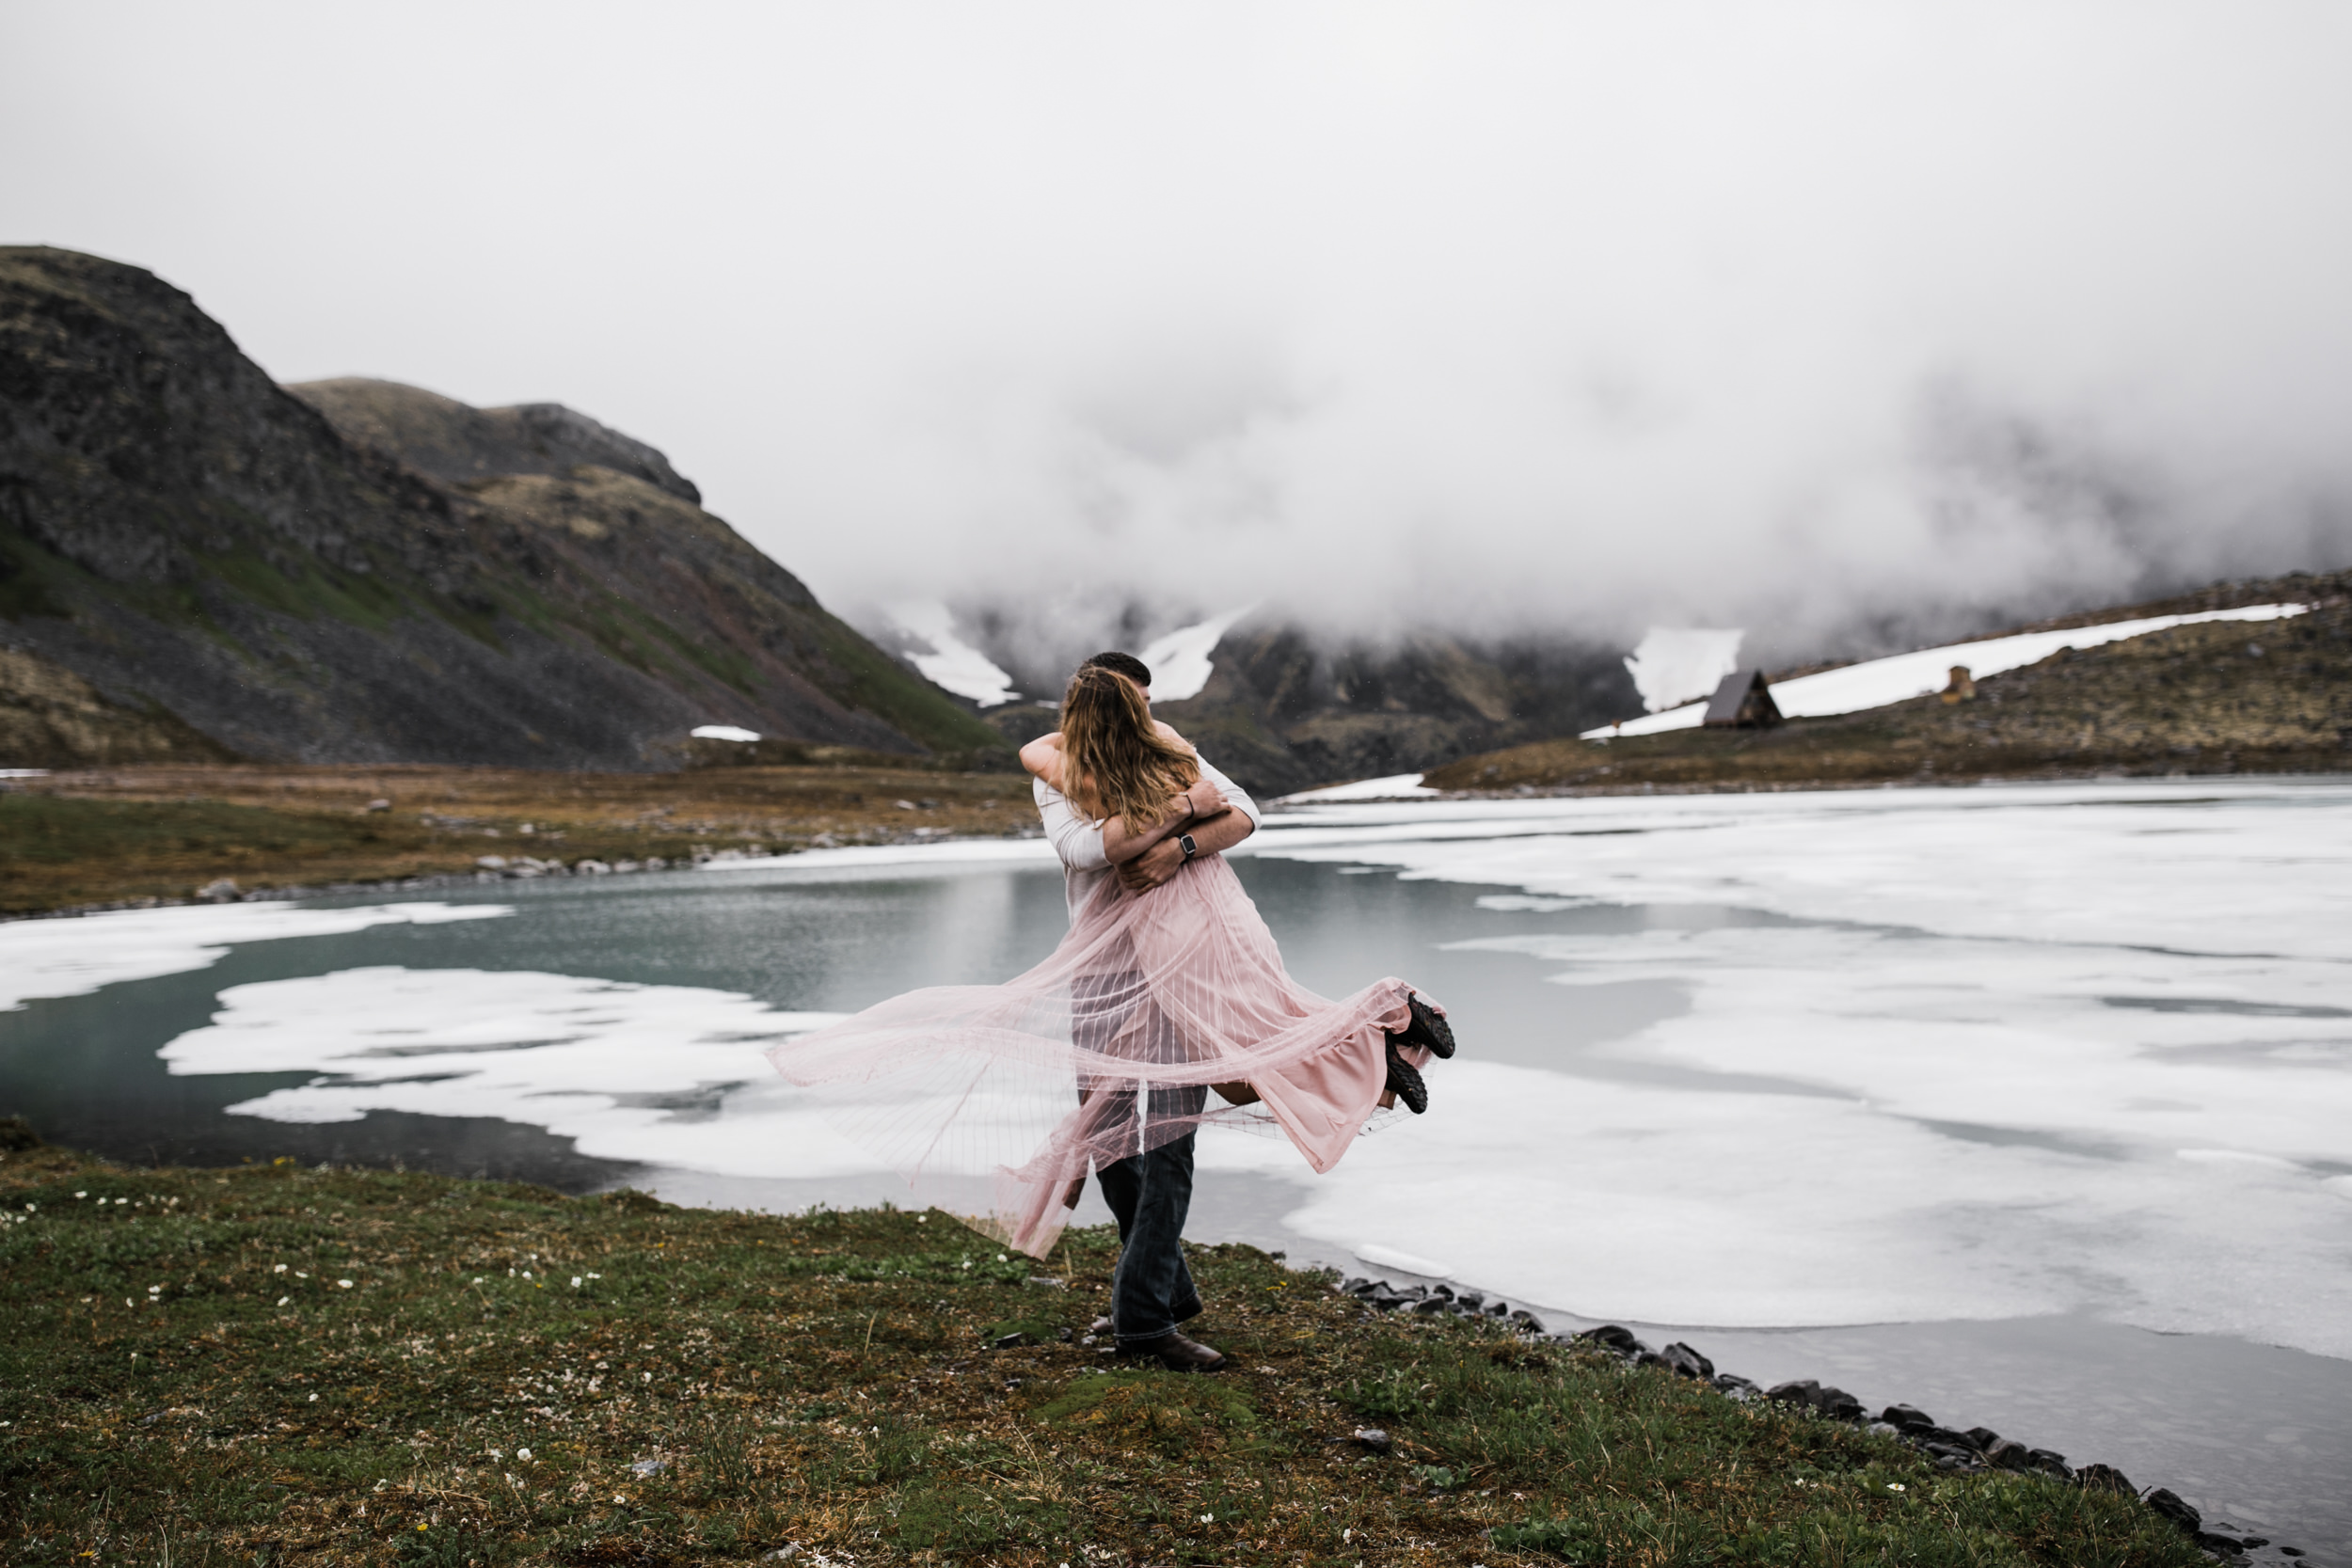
(164, 832)
(275, 1365)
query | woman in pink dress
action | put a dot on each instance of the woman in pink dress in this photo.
(1107, 1050)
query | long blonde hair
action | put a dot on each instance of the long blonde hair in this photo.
(1116, 760)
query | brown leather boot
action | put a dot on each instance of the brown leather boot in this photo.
(1177, 1354)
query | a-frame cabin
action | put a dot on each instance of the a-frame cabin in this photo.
(1742, 702)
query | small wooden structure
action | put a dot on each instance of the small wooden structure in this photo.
(1742, 702)
(1964, 686)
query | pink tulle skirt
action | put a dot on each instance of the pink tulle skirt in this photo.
(1107, 1049)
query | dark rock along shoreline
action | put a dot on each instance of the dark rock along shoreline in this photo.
(1977, 1449)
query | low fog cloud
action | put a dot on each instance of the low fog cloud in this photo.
(1843, 324)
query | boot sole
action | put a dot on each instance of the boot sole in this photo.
(1406, 1081)
(1429, 1028)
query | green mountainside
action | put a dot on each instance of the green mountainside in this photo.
(194, 559)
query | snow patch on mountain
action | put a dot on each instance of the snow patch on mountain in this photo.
(1180, 660)
(1902, 677)
(952, 663)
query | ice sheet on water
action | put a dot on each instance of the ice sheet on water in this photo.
(2199, 865)
(666, 1073)
(951, 858)
(1626, 1202)
(1411, 1262)
(2077, 1048)
(1394, 787)
(72, 957)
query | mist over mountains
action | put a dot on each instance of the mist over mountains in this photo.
(1858, 328)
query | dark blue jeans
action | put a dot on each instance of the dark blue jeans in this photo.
(1150, 1194)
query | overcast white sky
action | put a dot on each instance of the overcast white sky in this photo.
(1578, 317)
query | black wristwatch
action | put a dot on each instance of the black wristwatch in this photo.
(1189, 846)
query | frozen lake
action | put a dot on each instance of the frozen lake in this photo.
(2031, 1105)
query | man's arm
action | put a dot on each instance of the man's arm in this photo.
(1234, 795)
(1164, 859)
(1200, 803)
(1076, 841)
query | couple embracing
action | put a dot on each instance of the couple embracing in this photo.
(1166, 1008)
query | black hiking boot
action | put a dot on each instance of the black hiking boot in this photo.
(1406, 1083)
(1429, 1028)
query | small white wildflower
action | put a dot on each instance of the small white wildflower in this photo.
(1208, 1518)
(618, 1498)
(1000, 1257)
(282, 1299)
(1894, 1486)
(344, 1283)
(575, 1282)
(524, 1454)
(32, 1208)
(477, 1279)
(314, 1399)
(81, 1195)
(280, 1269)
(497, 1454)
(649, 1377)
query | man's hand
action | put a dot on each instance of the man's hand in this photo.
(1207, 799)
(1152, 867)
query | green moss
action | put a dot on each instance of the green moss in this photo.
(59, 850)
(722, 663)
(247, 575)
(25, 569)
(361, 599)
(49, 829)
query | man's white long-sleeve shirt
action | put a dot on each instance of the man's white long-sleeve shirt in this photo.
(1079, 842)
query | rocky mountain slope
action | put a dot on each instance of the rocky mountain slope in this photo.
(193, 556)
(1283, 712)
(1284, 709)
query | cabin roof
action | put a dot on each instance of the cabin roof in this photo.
(1745, 697)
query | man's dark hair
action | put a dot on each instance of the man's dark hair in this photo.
(1121, 664)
